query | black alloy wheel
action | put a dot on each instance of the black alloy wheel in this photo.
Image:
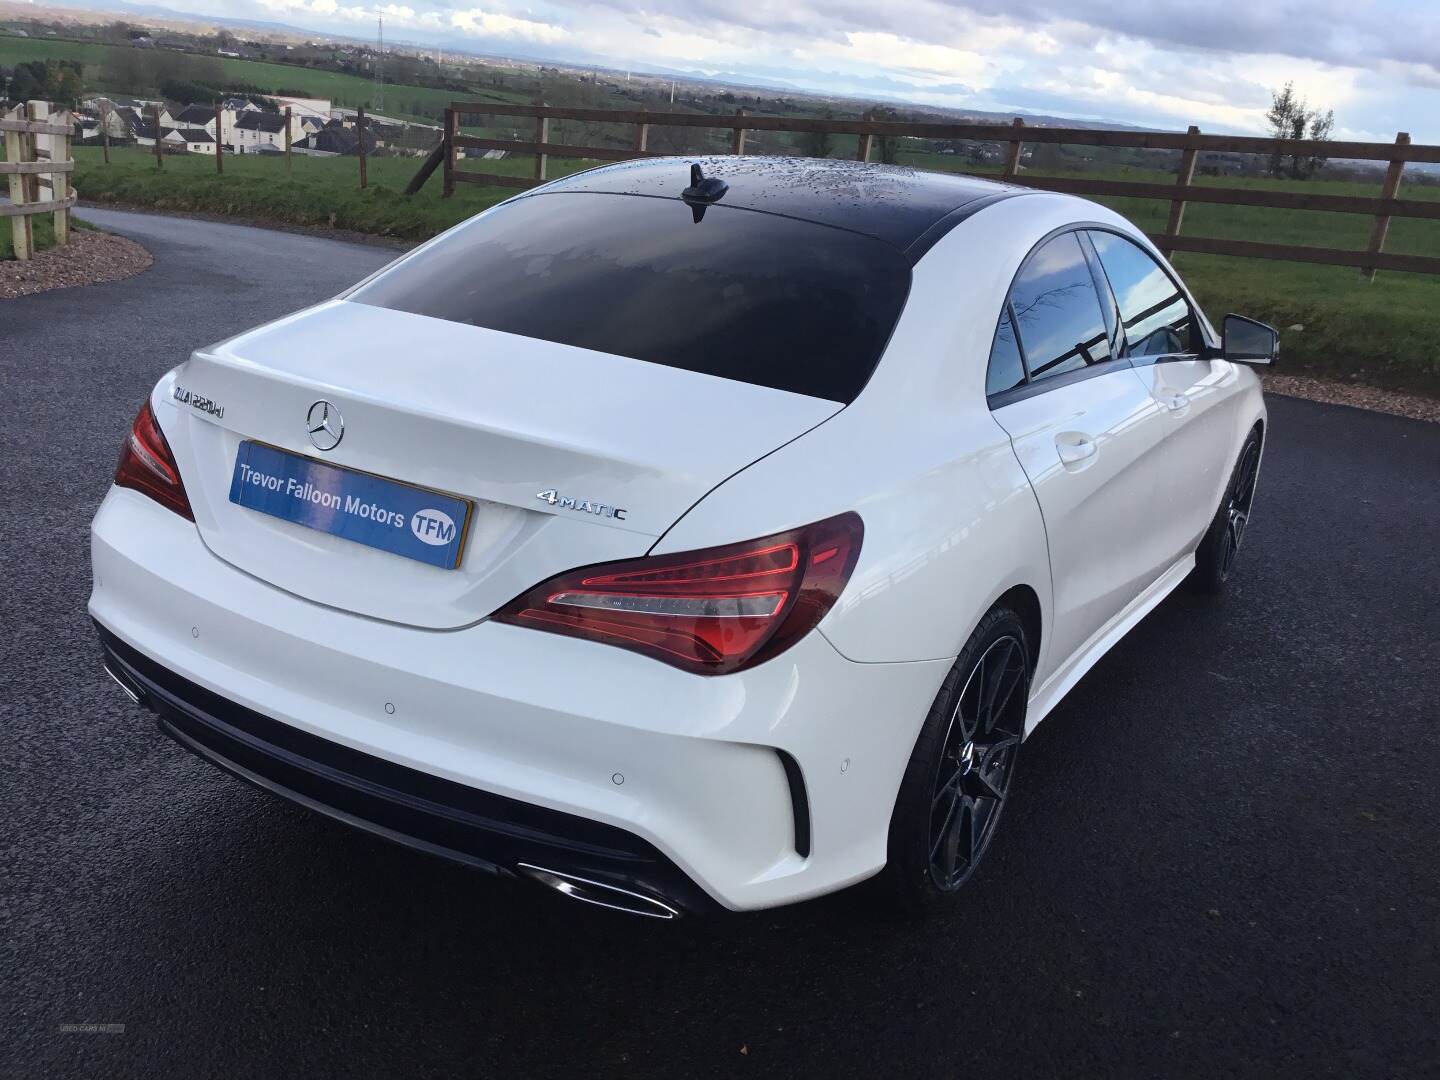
(1237, 507)
(977, 761)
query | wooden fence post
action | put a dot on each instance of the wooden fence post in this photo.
(219, 161)
(20, 224)
(862, 144)
(642, 135)
(542, 135)
(34, 110)
(105, 135)
(289, 138)
(1182, 180)
(360, 143)
(159, 161)
(1012, 159)
(60, 181)
(452, 128)
(737, 140)
(1389, 191)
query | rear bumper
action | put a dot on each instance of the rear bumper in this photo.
(498, 746)
(485, 831)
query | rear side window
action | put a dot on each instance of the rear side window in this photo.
(742, 295)
(1057, 310)
(1156, 317)
(1006, 370)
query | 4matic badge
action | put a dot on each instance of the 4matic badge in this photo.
(585, 506)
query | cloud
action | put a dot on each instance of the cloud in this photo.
(496, 24)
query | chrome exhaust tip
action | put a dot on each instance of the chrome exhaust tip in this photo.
(600, 894)
(134, 693)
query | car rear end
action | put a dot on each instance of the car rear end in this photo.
(400, 557)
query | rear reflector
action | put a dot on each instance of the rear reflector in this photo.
(711, 612)
(148, 466)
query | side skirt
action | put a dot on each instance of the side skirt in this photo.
(1058, 685)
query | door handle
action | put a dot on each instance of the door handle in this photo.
(1177, 402)
(1075, 448)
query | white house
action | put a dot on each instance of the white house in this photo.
(141, 126)
(253, 130)
(203, 116)
(194, 140)
(138, 120)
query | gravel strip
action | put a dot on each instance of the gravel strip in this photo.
(1395, 402)
(90, 257)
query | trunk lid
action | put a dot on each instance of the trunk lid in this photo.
(489, 416)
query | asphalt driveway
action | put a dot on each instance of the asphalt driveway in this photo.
(1222, 857)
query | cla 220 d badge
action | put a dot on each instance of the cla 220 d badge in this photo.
(325, 425)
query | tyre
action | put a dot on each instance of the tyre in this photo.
(959, 774)
(1215, 557)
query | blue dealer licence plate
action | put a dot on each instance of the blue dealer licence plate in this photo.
(418, 523)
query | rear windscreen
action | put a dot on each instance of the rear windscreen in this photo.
(743, 295)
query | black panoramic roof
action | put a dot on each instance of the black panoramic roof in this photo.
(909, 208)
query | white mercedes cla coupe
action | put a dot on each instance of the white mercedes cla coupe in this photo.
(683, 536)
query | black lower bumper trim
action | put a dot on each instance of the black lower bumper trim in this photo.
(465, 824)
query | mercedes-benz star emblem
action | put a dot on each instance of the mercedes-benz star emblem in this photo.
(325, 424)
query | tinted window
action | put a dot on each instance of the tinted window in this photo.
(743, 295)
(1006, 370)
(1155, 316)
(1057, 310)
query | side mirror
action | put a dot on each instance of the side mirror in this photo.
(1245, 341)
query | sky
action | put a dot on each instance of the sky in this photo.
(1163, 63)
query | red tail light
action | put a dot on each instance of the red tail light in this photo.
(710, 612)
(148, 466)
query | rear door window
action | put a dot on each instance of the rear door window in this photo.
(729, 292)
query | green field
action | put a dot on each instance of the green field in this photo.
(1313, 228)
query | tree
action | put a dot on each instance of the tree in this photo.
(818, 144)
(1290, 117)
(59, 81)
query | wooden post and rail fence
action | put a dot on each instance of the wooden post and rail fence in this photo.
(1179, 193)
(37, 157)
(37, 154)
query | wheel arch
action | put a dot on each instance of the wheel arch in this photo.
(1025, 602)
